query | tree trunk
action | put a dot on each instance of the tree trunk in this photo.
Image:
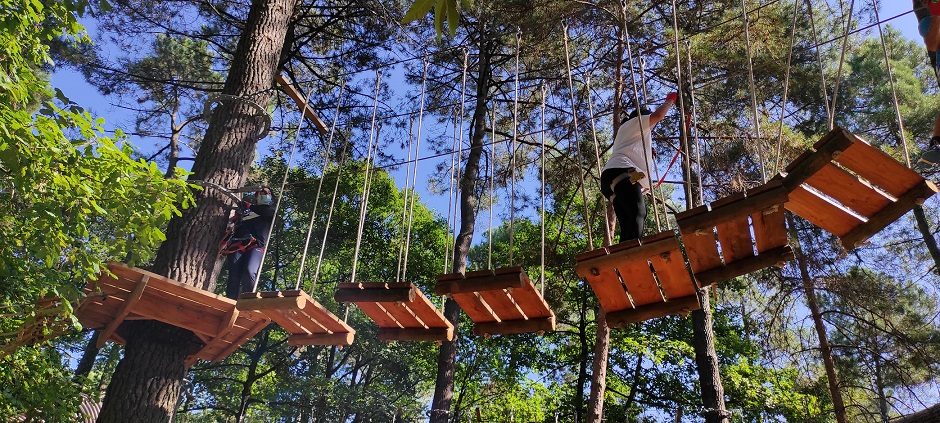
(578, 400)
(880, 389)
(444, 383)
(706, 362)
(89, 353)
(148, 379)
(838, 404)
(924, 227)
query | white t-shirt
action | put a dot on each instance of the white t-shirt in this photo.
(633, 139)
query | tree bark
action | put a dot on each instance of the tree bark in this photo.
(148, 379)
(924, 227)
(89, 353)
(838, 404)
(706, 362)
(444, 383)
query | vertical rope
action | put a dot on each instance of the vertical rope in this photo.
(542, 157)
(894, 91)
(753, 85)
(463, 93)
(577, 140)
(845, 46)
(277, 204)
(414, 175)
(824, 86)
(451, 217)
(597, 148)
(316, 201)
(489, 257)
(512, 152)
(367, 175)
(683, 134)
(329, 216)
(655, 192)
(693, 128)
(786, 85)
(404, 203)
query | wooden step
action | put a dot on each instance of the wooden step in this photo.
(851, 188)
(307, 322)
(129, 293)
(639, 278)
(400, 310)
(736, 235)
(499, 302)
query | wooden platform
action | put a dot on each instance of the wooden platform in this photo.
(736, 235)
(500, 302)
(400, 310)
(136, 294)
(308, 322)
(851, 188)
(640, 280)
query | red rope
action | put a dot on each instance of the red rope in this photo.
(671, 164)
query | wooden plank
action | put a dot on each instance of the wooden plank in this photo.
(660, 243)
(404, 315)
(428, 313)
(735, 239)
(774, 257)
(878, 168)
(301, 102)
(119, 288)
(219, 342)
(640, 283)
(677, 306)
(822, 212)
(206, 298)
(339, 339)
(295, 322)
(723, 211)
(411, 334)
(531, 302)
(502, 304)
(244, 338)
(848, 190)
(587, 255)
(272, 304)
(510, 327)
(379, 315)
(323, 316)
(906, 202)
(151, 307)
(673, 276)
(606, 286)
(702, 249)
(770, 228)
(476, 309)
(377, 293)
(481, 283)
(834, 143)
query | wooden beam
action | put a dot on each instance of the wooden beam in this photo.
(226, 327)
(894, 211)
(241, 339)
(274, 303)
(509, 327)
(326, 339)
(300, 101)
(619, 319)
(827, 149)
(415, 334)
(747, 265)
(743, 207)
(639, 252)
(123, 311)
(377, 294)
(489, 282)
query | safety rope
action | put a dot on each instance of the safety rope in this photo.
(512, 152)
(492, 166)
(786, 85)
(683, 134)
(542, 158)
(576, 141)
(894, 91)
(845, 47)
(655, 194)
(693, 128)
(366, 186)
(597, 148)
(824, 86)
(316, 202)
(414, 175)
(404, 204)
(329, 216)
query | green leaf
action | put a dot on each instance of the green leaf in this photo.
(453, 16)
(418, 10)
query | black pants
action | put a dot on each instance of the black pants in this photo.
(629, 204)
(242, 271)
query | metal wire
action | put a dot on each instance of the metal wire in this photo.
(364, 205)
(316, 201)
(542, 157)
(655, 193)
(404, 204)
(819, 60)
(693, 128)
(489, 257)
(683, 135)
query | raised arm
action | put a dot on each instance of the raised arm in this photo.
(660, 112)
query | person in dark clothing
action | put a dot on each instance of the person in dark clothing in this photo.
(626, 175)
(928, 19)
(246, 243)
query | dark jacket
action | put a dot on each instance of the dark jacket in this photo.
(257, 226)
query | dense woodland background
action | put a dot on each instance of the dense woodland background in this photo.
(75, 196)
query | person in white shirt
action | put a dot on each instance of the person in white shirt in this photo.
(626, 175)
